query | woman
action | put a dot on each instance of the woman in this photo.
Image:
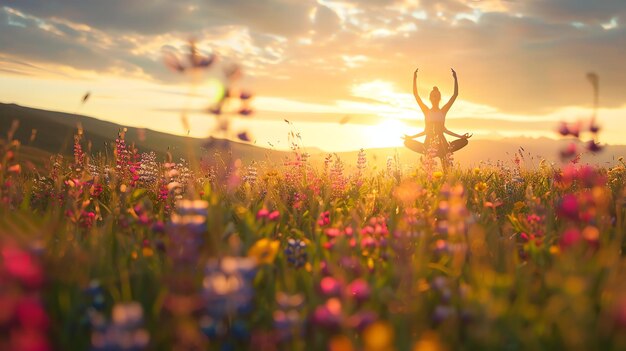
(434, 120)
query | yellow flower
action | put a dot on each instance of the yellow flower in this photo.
(437, 174)
(264, 250)
(555, 250)
(378, 337)
(480, 186)
(147, 252)
(476, 171)
(429, 342)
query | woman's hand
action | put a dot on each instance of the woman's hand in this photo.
(415, 73)
(466, 135)
(453, 73)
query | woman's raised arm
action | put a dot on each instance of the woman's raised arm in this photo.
(417, 97)
(447, 106)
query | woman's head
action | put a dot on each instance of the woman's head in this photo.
(435, 96)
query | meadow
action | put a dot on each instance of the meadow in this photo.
(133, 251)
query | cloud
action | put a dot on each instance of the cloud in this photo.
(515, 56)
(281, 17)
(587, 12)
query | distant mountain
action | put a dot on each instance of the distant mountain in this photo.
(55, 131)
(55, 134)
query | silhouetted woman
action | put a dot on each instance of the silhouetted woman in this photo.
(434, 123)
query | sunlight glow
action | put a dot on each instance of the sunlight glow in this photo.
(386, 133)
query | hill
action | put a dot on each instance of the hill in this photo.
(55, 131)
(55, 134)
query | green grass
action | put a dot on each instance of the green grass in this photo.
(476, 259)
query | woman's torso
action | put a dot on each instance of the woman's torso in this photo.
(434, 120)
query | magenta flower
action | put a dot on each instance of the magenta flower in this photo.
(570, 238)
(569, 207)
(263, 213)
(328, 315)
(273, 216)
(30, 314)
(332, 232)
(21, 266)
(359, 289)
(324, 219)
(330, 286)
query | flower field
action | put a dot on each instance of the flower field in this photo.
(133, 251)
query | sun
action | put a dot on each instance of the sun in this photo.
(387, 133)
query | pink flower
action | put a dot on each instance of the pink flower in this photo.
(21, 265)
(329, 314)
(570, 238)
(569, 206)
(330, 286)
(324, 219)
(359, 289)
(263, 213)
(31, 314)
(332, 232)
(273, 216)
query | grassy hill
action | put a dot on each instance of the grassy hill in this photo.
(55, 131)
(55, 134)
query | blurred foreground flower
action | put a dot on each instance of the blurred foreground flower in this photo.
(123, 333)
(227, 286)
(264, 250)
(24, 322)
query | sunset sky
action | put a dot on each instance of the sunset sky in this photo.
(521, 64)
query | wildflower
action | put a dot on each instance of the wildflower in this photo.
(361, 320)
(227, 286)
(330, 286)
(288, 317)
(324, 219)
(593, 146)
(124, 332)
(591, 235)
(262, 213)
(569, 207)
(359, 289)
(570, 238)
(340, 343)
(273, 216)
(251, 175)
(21, 266)
(243, 136)
(480, 187)
(563, 129)
(329, 314)
(332, 232)
(429, 341)
(264, 250)
(378, 337)
(16, 168)
(296, 252)
(441, 313)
